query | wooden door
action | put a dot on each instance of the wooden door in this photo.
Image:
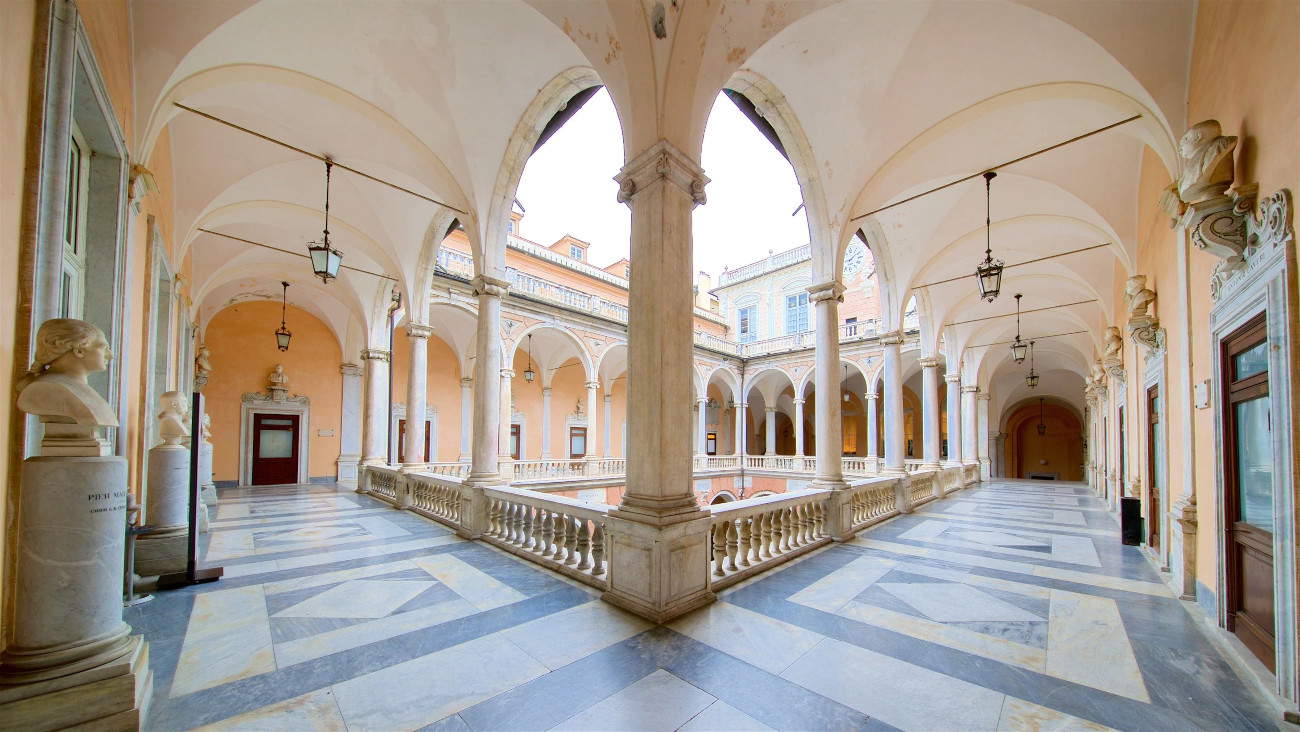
(514, 441)
(1155, 457)
(275, 449)
(401, 440)
(1248, 489)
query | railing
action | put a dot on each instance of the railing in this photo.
(457, 263)
(774, 462)
(920, 488)
(716, 462)
(868, 328)
(438, 497)
(717, 343)
(859, 466)
(541, 252)
(605, 467)
(563, 534)
(912, 466)
(791, 341)
(753, 535)
(537, 469)
(454, 470)
(873, 501)
(763, 266)
(383, 483)
(526, 284)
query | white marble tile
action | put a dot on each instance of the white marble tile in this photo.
(354, 636)
(1156, 589)
(1070, 549)
(481, 589)
(305, 520)
(230, 545)
(659, 702)
(1052, 515)
(338, 575)
(971, 521)
(231, 510)
(564, 637)
(1087, 644)
(342, 555)
(755, 639)
(952, 575)
(228, 638)
(313, 711)
(998, 538)
(358, 599)
(948, 602)
(722, 717)
(414, 693)
(1019, 715)
(998, 649)
(832, 592)
(894, 691)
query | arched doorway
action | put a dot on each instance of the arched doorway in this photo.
(1052, 452)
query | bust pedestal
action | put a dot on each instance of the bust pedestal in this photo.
(72, 660)
(164, 547)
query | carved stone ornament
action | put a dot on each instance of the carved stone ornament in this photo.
(662, 162)
(1142, 325)
(257, 397)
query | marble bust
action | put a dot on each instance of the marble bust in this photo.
(1207, 166)
(206, 427)
(202, 362)
(173, 419)
(1139, 297)
(55, 388)
(1114, 343)
(277, 379)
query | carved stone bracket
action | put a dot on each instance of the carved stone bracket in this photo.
(1146, 330)
(255, 397)
(1232, 228)
(1115, 367)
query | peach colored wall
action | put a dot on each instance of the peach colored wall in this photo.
(1060, 451)
(244, 352)
(442, 390)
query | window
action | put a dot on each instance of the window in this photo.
(627, 271)
(510, 226)
(796, 313)
(850, 436)
(577, 442)
(711, 443)
(746, 323)
(575, 251)
(514, 441)
(850, 326)
(72, 297)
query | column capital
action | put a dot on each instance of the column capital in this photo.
(701, 400)
(930, 362)
(485, 285)
(466, 381)
(609, 398)
(546, 391)
(871, 396)
(661, 162)
(831, 290)
(984, 396)
(798, 402)
(375, 354)
(507, 373)
(893, 338)
(952, 378)
(418, 330)
(592, 384)
(349, 369)
(769, 410)
(970, 389)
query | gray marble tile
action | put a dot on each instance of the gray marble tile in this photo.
(659, 702)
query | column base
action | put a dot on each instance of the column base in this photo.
(112, 696)
(658, 572)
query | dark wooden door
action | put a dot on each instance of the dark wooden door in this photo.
(1155, 454)
(577, 443)
(1248, 489)
(275, 449)
(401, 440)
(514, 441)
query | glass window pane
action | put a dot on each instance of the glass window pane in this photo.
(277, 421)
(275, 444)
(1251, 361)
(578, 444)
(1254, 463)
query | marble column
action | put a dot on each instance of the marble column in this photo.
(798, 427)
(504, 457)
(873, 429)
(593, 398)
(659, 534)
(770, 447)
(826, 298)
(893, 378)
(466, 418)
(349, 424)
(417, 396)
(608, 435)
(701, 426)
(742, 410)
(485, 469)
(374, 429)
(982, 432)
(969, 454)
(954, 417)
(930, 412)
(546, 423)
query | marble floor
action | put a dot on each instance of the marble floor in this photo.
(1009, 606)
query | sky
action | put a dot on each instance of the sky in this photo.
(568, 188)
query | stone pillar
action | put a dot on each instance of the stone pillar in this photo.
(982, 435)
(485, 469)
(374, 430)
(969, 454)
(593, 397)
(742, 411)
(659, 534)
(701, 426)
(164, 547)
(826, 298)
(349, 424)
(893, 377)
(417, 396)
(798, 427)
(873, 429)
(608, 436)
(930, 412)
(770, 447)
(546, 423)
(954, 417)
(466, 418)
(504, 457)
(998, 469)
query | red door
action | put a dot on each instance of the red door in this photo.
(275, 449)
(401, 440)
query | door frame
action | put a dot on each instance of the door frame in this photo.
(296, 419)
(1154, 376)
(258, 403)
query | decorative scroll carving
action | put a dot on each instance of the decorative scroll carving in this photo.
(1142, 325)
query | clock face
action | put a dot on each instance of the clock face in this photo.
(853, 259)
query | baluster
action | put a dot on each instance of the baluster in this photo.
(597, 549)
(548, 535)
(561, 539)
(534, 527)
(571, 533)
(732, 545)
(493, 517)
(584, 544)
(796, 526)
(755, 537)
(819, 521)
(769, 536)
(745, 546)
(507, 521)
(719, 550)
(783, 530)
(517, 524)
(809, 523)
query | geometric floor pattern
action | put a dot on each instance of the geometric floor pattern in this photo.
(1006, 607)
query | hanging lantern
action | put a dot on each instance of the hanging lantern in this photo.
(1018, 347)
(325, 260)
(989, 272)
(282, 334)
(1032, 379)
(529, 374)
(846, 378)
(1042, 428)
